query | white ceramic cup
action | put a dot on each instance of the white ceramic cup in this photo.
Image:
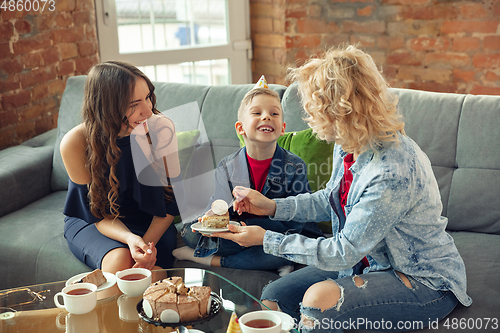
(133, 288)
(264, 314)
(127, 308)
(87, 322)
(77, 304)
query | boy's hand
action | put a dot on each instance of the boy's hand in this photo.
(253, 202)
(243, 235)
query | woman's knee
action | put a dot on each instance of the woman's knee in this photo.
(315, 295)
(116, 260)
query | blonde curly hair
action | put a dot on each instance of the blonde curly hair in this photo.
(347, 101)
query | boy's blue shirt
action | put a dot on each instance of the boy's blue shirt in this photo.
(392, 216)
(287, 176)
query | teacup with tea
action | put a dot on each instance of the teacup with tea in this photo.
(260, 322)
(78, 298)
(133, 281)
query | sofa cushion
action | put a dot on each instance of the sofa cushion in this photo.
(474, 203)
(70, 115)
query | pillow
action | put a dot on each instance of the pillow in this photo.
(186, 142)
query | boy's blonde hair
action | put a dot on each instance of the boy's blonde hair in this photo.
(346, 98)
(251, 94)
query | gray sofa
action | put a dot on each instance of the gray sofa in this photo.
(459, 133)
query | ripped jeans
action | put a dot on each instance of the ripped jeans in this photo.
(381, 302)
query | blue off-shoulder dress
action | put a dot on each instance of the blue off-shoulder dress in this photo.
(138, 204)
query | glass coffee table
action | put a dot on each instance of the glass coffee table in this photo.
(32, 309)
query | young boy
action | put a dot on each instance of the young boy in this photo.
(263, 166)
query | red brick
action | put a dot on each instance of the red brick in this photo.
(366, 11)
(16, 100)
(448, 59)
(368, 27)
(31, 112)
(405, 2)
(496, 8)
(67, 50)
(474, 10)
(402, 58)
(262, 53)
(83, 65)
(56, 87)
(35, 43)
(8, 117)
(302, 41)
(10, 84)
(50, 56)
(82, 17)
(334, 39)
(363, 1)
(269, 40)
(65, 67)
(69, 35)
(40, 92)
(432, 12)
(4, 50)
(7, 136)
(64, 20)
(10, 66)
(316, 27)
(25, 130)
(86, 49)
(417, 28)
(429, 44)
(46, 22)
(483, 90)
(365, 41)
(397, 42)
(486, 60)
(315, 10)
(261, 9)
(32, 60)
(43, 125)
(434, 86)
(463, 75)
(66, 6)
(6, 30)
(490, 76)
(261, 24)
(278, 26)
(485, 26)
(22, 27)
(492, 42)
(296, 12)
(464, 44)
(37, 76)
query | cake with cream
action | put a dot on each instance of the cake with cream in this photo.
(96, 277)
(217, 216)
(170, 301)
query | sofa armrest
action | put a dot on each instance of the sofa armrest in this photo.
(25, 172)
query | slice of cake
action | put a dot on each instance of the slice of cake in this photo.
(96, 277)
(217, 217)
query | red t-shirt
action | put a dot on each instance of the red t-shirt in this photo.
(345, 185)
(258, 171)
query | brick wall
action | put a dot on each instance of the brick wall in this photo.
(38, 52)
(434, 45)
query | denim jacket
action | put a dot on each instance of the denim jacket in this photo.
(287, 176)
(392, 216)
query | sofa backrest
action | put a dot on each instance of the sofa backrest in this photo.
(212, 110)
(460, 135)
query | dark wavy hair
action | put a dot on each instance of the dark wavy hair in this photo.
(108, 92)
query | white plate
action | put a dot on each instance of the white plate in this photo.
(287, 321)
(208, 231)
(110, 280)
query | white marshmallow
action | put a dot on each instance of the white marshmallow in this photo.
(219, 207)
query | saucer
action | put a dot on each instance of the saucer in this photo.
(208, 231)
(110, 280)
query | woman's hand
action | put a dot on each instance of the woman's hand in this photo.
(253, 202)
(143, 254)
(243, 235)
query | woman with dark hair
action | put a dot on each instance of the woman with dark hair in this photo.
(113, 220)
